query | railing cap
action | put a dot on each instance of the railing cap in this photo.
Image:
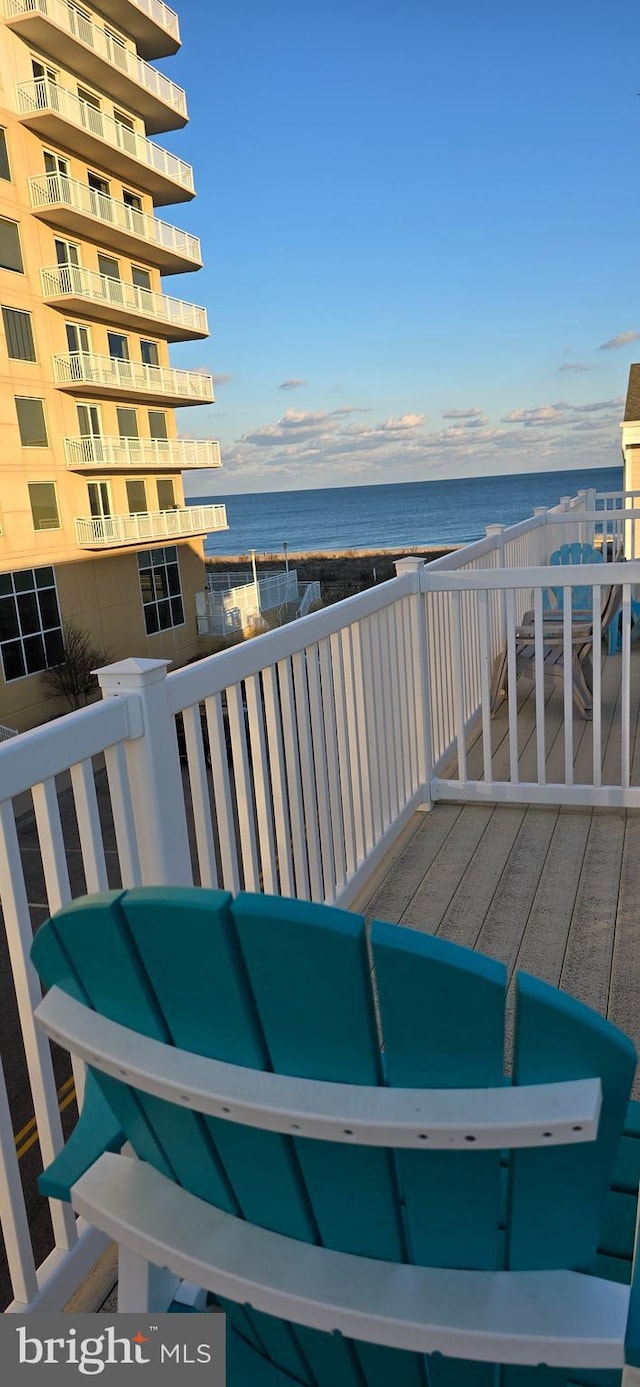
(131, 675)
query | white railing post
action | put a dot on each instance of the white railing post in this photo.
(497, 532)
(543, 516)
(421, 682)
(153, 765)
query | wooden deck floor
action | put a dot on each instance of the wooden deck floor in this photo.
(554, 892)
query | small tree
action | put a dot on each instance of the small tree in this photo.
(72, 679)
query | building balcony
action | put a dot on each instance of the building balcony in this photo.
(60, 116)
(119, 531)
(87, 374)
(77, 208)
(93, 295)
(154, 27)
(100, 454)
(65, 34)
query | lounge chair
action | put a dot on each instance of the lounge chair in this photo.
(581, 597)
(553, 651)
(337, 1159)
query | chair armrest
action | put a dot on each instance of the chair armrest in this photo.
(95, 1132)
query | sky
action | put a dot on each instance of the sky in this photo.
(420, 231)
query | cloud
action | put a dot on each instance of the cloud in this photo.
(542, 414)
(622, 340)
(293, 383)
(575, 366)
(222, 380)
(348, 446)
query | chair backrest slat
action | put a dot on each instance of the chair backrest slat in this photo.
(442, 1018)
(442, 1012)
(557, 1196)
(310, 975)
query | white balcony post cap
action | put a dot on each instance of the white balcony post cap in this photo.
(129, 676)
(412, 564)
(494, 530)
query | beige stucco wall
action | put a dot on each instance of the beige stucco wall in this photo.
(100, 591)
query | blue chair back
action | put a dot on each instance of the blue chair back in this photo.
(581, 597)
(287, 986)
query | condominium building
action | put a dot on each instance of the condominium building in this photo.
(93, 523)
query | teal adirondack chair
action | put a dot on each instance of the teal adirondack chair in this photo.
(330, 1157)
(582, 597)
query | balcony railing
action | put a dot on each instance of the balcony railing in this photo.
(114, 531)
(116, 300)
(153, 25)
(76, 203)
(157, 454)
(325, 736)
(64, 31)
(77, 370)
(86, 130)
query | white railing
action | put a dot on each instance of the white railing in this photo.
(84, 368)
(227, 609)
(314, 734)
(112, 50)
(55, 189)
(179, 453)
(305, 753)
(43, 95)
(311, 594)
(161, 14)
(60, 281)
(108, 530)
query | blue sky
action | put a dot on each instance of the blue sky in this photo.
(420, 228)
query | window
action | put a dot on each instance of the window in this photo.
(46, 79)
(30, 625)
(149, 353)
(44, 506)
(77, 337)
(10, 252)
(158, 424)
(160, 589)
(90, 112)
(140, 277)
(136, 497)
(99, 500)
(127, 422)
(31, 422)
(118, 346)
(5, 171)
(136, 213)
(89, 421)
(89, 98)
(166, 495)
(127, 138)
(98, 184)
(108, 266)
(67, 252)
(19, 334)
(54, 163)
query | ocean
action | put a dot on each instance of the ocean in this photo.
(399, 515)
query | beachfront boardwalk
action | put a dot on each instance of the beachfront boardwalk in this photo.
(553, 891)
